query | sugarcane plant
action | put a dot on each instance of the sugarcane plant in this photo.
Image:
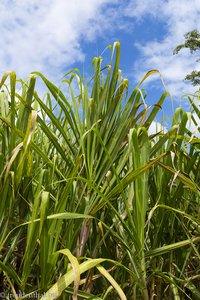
(93, 204)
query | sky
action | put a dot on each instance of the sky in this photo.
(55, 36)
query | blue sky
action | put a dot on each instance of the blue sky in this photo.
(55, 36)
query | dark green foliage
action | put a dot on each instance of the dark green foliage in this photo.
(93, 205)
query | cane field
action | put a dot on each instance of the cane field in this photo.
(93, 205)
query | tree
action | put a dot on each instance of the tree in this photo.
(192, 42)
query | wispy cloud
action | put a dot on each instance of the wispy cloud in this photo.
(48, 36)
(178, 18)
(45, 35)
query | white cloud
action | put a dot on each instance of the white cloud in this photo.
(178, 18)
(156, 127)
(45, 35)
(138, 8)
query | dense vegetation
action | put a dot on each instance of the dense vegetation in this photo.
(93, 205)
